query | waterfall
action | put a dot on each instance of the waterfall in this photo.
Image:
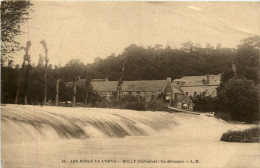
(25, 123)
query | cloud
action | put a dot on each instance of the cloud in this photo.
(194, 8)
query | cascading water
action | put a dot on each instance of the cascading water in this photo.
(19, 123)
(34, 136)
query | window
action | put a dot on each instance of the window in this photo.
(195, 94)
(187, 93)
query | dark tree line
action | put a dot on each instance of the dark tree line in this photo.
(160, 63)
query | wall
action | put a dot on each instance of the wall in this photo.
(211, 90)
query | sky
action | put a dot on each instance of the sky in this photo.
(85, 30)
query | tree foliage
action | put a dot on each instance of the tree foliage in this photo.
(13, 15)
(237, 95)
(247, 58)
(240, 99)
(205, 103)
(160, 63)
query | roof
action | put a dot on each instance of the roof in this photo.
(105, 86)
(131, 86)
(145, 85)
(81, 82)
(128, 86)
(98, 80)
(198, 80)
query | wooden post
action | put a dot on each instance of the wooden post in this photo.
(57, 92)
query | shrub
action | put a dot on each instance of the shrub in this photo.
(133, 103)
(137, 105)
(239, 99)
(205, 103)
(126, 102)
(248, 135)
(157, 105)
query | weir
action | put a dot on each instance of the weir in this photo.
(26, 123)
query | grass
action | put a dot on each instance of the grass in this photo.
(250, 135)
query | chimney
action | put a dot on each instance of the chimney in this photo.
(169, 79)
(207, 81)
(234, 68)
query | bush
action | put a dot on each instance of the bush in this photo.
(137, 105)
(104, 103)
(248, 135)
(126, 102)
(239, 99)
(133, 103)
(205, 103)
(157, 105)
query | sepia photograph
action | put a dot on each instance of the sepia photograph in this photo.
(130, 84)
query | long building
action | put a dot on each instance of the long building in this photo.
(178, 90)
(144, 89)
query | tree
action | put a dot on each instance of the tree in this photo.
(240, 99)
(225, 77)
(57, 92)
(72, 69)
(205, 103)
(26, 58)
(247, 58)
(120, 83)
(188, 46)
(74, 93)
(65, 92)
(218, 46)
(45, 70)
(27, 81)
(88, 88)
(13, 15)
(40, 61)
(248, 52)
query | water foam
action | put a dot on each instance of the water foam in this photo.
(19, 123)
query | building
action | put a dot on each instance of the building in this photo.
(197, 85)
(143, 89)
(177, 90)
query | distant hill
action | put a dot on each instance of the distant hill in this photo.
(159, 63)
